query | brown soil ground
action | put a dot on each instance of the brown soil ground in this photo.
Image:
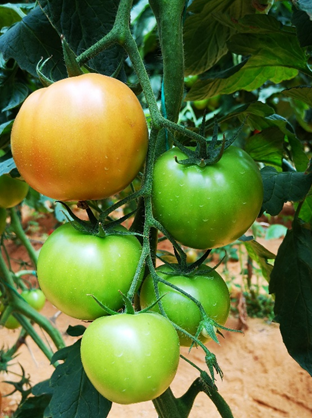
(260, 378)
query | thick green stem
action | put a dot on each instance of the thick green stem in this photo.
(29, 329)
(168, 14)
(19, 231)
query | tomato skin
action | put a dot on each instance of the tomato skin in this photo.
(130, 358)
(35, 298)
(86, 138)
(73, 265)
(209, 289)
(207, 207)
(3, 217)
(12, 191)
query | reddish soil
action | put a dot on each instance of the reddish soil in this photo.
(260, 378)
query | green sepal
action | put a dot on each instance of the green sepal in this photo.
(81, 225)
(45, 81)
(72, 67)
(129, 309)
(104, 307)
(148, 308)
(212, 364)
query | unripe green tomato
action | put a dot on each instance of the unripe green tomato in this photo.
(35, 298)
(201, 104)
(190, 80)
(205, 285)
(3, 216)
(12, 191)
(214, 102)
(191, 256)
(73, 266)
(130, 358)
(207, 207)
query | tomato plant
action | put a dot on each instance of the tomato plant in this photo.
(85, 137)
(206, 285)
(3, 217)
(211, 206)
(130, 358)
(73, 265)
(12, 191)
(76, 130)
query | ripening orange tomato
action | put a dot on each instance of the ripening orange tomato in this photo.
(82, 138)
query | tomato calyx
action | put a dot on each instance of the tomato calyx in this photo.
(129, 308)
(94, 226)
(45, 81)
(105, 308)
(72, 67)
(206, 152)
(209, 327)
(182, 266)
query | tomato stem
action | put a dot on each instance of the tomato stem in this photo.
(167, 406)
(19, 231)
(20, 309)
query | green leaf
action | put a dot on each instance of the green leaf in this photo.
(291, 282)
(42, 388)
(205, 37)
(304, 27)
(260, 116)
(269, 45)
(75, 331)
(261, 256)
(250, 77)
(263, 36)
(306, 209)
(267, 146)
(33, 407)
(302, 93)
(31, 39)
(283, 187)
(83, 23)
(5, 127)
(9, 14)
(82, 400)
(19, 92)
